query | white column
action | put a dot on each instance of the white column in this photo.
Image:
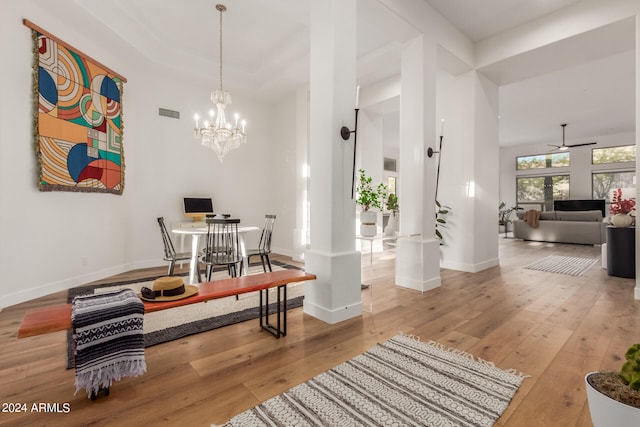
(637, 290)
(335, 295)
(469, 172)
(418, 257)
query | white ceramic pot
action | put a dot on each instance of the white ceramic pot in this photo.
(368, 223)
(392, 226)
(621, 220)
(607, 412)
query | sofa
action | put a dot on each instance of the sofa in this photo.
(581, 227)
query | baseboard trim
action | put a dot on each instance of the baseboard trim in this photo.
(470, 268)
(61, 285)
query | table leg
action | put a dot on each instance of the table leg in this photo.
(194, 270)
(243, 252)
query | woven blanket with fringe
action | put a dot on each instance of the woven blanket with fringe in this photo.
(109, 340)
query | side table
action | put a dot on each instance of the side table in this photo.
(621, 251)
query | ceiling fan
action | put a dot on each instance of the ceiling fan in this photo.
(564, 146)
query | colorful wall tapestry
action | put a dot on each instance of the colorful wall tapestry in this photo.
(78, 120)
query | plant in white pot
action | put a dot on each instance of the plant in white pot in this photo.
(614, 397)
(369, 197)
(392, 205)
(621, 209)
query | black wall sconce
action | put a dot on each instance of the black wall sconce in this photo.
(345, 133)
(431, 151)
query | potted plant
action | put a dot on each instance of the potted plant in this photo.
(369, 197)
(620, 208)
(393, 207)
(614, 397)
(504, 215)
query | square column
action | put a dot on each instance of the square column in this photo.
(418, 257)
(637, 289)
(336, 294)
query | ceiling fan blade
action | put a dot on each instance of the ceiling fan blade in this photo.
(581, 145)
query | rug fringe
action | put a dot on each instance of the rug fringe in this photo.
(94, 380)
(462, 353)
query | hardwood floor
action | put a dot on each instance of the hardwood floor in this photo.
(553, 327)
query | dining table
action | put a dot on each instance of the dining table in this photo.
(198, 229)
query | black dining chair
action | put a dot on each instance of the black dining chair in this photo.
(264, 246)
(170, 253)
(222, 246)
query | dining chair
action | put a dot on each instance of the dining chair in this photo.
(222, 246)
(264, 246)
(170, 253)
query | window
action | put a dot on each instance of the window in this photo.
(607, 155)
(541, 191)
(541, 161)
(604, 182)
(390, 164)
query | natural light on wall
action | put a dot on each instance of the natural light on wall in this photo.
(304, 233)
(471, 189)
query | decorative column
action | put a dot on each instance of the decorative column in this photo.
(637, 289)
(335, 295)
(418, 256)
(469, 182)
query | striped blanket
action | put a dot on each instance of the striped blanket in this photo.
(108, 336)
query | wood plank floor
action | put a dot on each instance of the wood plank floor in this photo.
(553, 327)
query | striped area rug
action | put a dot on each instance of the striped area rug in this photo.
(573, 266)
(400, 382)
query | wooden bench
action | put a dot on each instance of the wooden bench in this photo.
(58, 318)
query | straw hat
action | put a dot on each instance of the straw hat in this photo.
(168, 288)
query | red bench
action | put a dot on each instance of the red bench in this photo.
(58, 318)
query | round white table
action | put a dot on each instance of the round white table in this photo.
(197, 230)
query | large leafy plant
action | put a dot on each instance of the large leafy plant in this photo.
(630, 371)
(441, 219)
(504, 213)
(368, 195)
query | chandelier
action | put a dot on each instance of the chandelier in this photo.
(217, 134)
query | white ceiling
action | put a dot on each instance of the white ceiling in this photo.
(587, 81)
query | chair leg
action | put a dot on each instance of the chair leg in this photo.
(264, 267)
(172, 265)
(268, 261)
(198, 275)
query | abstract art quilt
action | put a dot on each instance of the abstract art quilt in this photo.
(78, 120)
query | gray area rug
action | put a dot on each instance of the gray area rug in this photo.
(179, 322)
(572, 266)
(401, 382)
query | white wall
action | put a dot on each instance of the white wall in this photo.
(283, 179)
(55, 240)
(579, 171)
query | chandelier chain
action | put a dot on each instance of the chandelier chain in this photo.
(221, 8)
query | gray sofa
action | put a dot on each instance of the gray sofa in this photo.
(582, 227)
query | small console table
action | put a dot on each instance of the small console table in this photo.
(621, 251)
